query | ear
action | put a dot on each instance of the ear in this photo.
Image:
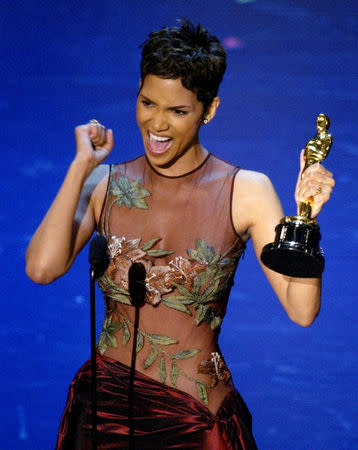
(211, 111)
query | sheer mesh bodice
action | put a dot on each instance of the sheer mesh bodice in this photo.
(180, 229)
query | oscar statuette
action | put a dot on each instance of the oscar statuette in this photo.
(295, 251)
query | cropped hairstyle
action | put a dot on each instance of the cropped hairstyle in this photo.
(187, 52)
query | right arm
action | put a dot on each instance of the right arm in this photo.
(72, 217)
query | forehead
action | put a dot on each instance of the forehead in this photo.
(167, 91)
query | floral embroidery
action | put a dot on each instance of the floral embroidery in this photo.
(200, 280)
(159, 281)
(123, 253)
(203, 278)
(215, 367)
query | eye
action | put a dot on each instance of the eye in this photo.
(180, 112)
(147, 103)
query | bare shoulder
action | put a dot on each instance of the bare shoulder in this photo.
(253, 194)
(252, 180)
(252, 188)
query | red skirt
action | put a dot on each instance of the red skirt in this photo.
(163, 417)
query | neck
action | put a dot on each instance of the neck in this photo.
(185, 163)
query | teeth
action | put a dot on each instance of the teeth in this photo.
(158, 138)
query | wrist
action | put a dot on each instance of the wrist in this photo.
(81, 167)
(80, 170)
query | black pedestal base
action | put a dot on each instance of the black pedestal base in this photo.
(296, 251)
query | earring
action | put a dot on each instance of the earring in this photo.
(205, 121)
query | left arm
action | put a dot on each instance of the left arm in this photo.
(256, 212)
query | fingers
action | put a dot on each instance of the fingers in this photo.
(93, 143)
(315, 186)
(109, 140)
(101, 152)
(97, 134)
(317, 175)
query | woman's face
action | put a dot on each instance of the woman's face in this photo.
(169, 117)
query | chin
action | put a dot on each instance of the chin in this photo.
(163, 160)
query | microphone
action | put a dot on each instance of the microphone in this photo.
(98, 256)
(136, 283)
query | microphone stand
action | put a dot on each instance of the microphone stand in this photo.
(131, 381)
(99, 260)
(136, 287)
(93, 359)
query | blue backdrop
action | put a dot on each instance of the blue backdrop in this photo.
(64, 63)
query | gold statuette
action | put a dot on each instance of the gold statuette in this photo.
(295, 251)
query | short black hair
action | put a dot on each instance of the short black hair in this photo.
(188, 52)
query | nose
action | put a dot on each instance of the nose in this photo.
(159, 121)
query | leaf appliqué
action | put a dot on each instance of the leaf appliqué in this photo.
(202, 392)
(129, 193)
(112, 290)
(161, 339)
(107, 336)
(173, 302)
(126, 334)
(185, 354)
(151, 358)
(162, 369)
(159, 253)
(174, 373)
(140, 342)
(148, 245)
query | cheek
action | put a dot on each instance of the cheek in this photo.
(143, 115)
(140, 116)
(189, 129)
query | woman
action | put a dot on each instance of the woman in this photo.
(185, 215)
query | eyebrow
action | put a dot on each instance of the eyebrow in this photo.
(170, 107)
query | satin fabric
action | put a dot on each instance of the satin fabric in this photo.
(164, 417)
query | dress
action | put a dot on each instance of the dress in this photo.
(180, 230)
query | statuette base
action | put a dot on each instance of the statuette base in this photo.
(295, 251)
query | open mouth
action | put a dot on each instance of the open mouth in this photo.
(158, 144)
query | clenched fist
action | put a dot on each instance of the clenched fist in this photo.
(93, 144)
